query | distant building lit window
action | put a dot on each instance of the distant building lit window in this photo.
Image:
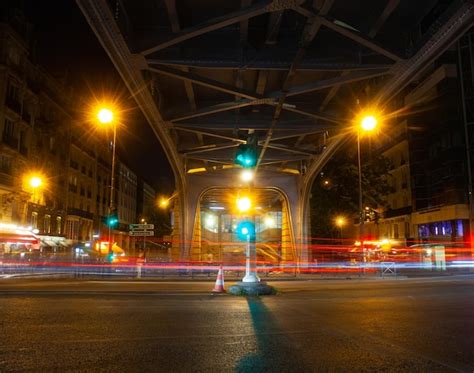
(34, 220)
(58, 225)
(47, 224)
(395, 231)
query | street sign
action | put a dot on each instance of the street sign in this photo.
(141, 233)
(141, 227)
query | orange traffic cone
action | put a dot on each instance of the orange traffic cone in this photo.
(219, 286)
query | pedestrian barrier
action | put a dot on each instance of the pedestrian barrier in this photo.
(388, 269)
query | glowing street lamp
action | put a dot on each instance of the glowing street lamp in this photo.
(244, 204)
(35, 182)
(164, 203)
(247, 176)
(105, 116)
(368, 123)
(340, 223)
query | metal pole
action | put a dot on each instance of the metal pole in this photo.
(251, 261)
(468, 144)
(112, 186)
(361, 219)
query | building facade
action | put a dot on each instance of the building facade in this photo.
(43, 136)
(427, 148)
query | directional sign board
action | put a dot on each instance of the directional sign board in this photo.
(141, 233)
(141, 227)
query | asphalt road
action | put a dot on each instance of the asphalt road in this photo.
(401, 325)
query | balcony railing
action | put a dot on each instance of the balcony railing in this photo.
(391, 213)
(13, 104)
(26, 117)
(80, 213)
(10, 140)
(6, 179)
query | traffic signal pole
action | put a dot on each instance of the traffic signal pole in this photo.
(251, 258)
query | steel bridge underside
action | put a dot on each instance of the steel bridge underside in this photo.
(208, 74)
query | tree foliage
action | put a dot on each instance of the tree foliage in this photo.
(335, 191)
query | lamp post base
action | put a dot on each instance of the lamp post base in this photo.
(250, 277)
(251, 288)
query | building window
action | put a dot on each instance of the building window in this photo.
(74, 164)
(9, 128)
(5, 164)
(58, 225)
(14, 56)
(12, 92)
(395, 231)
(47, 224)
(34, 220)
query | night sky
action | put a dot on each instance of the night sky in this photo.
(66, 46)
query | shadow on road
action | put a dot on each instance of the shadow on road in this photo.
(275, 351)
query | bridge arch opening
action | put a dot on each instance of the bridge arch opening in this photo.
(216, 237)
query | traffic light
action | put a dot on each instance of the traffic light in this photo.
(110, 257)
(112, 219)
(246, 230)
(247, 154)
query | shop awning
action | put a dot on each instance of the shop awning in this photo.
(23, 238)
(49, 243)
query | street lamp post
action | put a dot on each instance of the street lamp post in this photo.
(106, 116)
(367, 124)
(361, 213)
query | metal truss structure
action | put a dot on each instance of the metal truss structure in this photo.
(208, 73)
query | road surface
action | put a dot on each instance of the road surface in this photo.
(346, 325)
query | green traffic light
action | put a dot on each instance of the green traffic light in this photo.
(112, 220)
(246, 156)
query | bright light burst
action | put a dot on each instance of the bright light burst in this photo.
(246, 175)
(243, 204)
(105, 116)
(368, 123)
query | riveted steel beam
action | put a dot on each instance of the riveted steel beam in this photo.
(205, 82)
(240, 15)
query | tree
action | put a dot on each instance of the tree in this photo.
(336, 190)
